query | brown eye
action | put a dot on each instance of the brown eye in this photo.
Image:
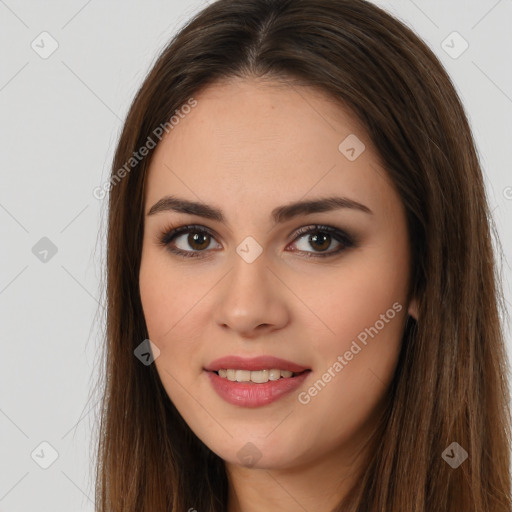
(198, 241)
(187, 241)
(320, 239)
(193, 241)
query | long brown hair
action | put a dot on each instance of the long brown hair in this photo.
(450, 384)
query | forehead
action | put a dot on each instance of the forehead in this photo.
(249, 143)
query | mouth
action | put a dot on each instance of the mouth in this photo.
(249, 394)
(256, 376)
(254, 382)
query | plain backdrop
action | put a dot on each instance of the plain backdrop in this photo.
(60, 118)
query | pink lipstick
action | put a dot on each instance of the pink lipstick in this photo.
(254, 382)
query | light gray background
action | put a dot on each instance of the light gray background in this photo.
(60, 118)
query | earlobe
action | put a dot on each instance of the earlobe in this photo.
(413, 308)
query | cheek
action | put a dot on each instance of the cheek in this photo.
(164, 302)
(155, 299)
(165, 295)
(365, 310)
(354, 297)
(171, 301)
(363, 351)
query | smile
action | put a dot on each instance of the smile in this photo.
(248, 393)
(257, 376)
(254, 381)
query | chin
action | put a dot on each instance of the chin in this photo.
(258, 453)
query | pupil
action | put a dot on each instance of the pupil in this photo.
(198, 236)
(315, 238)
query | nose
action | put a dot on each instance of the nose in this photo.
(252, 300)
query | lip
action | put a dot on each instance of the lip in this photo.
(253, 364)
(250, 394)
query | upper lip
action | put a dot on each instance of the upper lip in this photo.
(253, 364)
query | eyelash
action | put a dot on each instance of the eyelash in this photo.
(346, 240)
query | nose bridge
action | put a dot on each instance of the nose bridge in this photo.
(249, 279)
(250, 297)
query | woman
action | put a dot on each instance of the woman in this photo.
(302, 304)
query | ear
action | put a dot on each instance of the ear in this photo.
(413, 308)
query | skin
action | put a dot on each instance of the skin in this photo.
(246, 148)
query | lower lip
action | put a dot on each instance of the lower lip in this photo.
(248, 394)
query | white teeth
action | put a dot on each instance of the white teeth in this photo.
(258, 377)
(274, 374)
(243, 375)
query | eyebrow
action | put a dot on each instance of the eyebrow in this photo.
(278, 215)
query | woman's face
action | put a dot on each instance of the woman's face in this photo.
(330, 300)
